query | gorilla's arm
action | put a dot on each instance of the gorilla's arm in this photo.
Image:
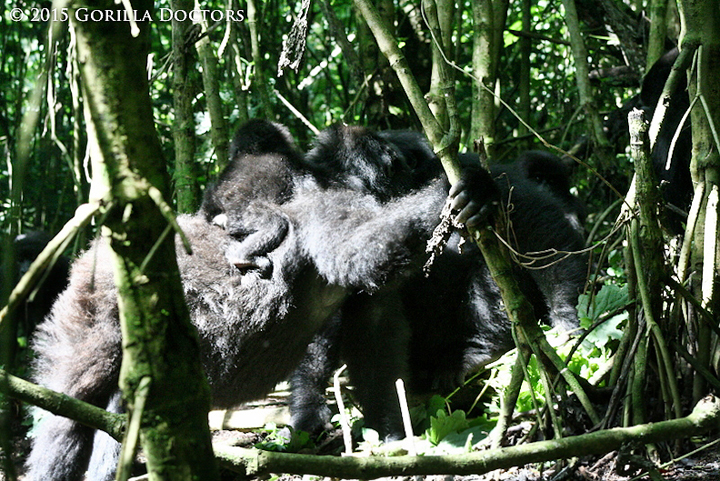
(358, 242)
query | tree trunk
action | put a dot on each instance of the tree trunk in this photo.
(211, 87)
(658, 31)
(440, 39)
(160, 345)
(489, 21)
(235, 58)
(647, 248)
(525, 50)
(595, 126)
(259, 84)
(701, 27)
(186, 184)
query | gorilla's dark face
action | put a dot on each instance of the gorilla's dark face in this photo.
(385, 164)
(264, 166)
(419, 157)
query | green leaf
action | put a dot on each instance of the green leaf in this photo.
(443, 425)
(609, 299)
(284, 440)
(607, 331)
(435, 404)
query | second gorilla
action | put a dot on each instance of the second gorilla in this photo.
(432, 330)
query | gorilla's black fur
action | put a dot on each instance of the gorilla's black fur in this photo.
(455, 316)
(672, 167)
(459, 305)
(384, 164)
(264, 166)
(550, 171)
(254, 325)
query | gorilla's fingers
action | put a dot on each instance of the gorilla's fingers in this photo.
(478, 218)
(460, 200)
(260, 264)
(476, 214)
(457, 189)
(471, 210)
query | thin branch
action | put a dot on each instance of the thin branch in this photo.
(297, 113)
(538, 36)
(49, 254)
(63, 405)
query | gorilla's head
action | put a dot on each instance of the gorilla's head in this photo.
(384, 164)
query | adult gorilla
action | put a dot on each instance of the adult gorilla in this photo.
(434, 329)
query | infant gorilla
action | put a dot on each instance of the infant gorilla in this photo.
(255, 321)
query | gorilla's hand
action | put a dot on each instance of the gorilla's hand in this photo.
(257, 231)
(475, 196)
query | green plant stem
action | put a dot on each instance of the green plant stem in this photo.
(508, 400)
(666, 367)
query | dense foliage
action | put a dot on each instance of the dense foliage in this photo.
(323, 90)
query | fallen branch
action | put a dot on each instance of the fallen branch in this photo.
(705, 417)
